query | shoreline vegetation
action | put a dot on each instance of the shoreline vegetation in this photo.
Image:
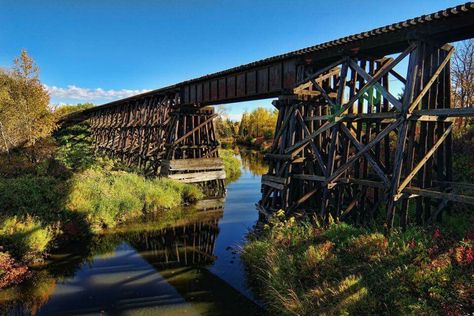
(305, 269)
(72, 194)
(255, 129)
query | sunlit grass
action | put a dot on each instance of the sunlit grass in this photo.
(300, 269)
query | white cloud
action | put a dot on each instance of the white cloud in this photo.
(86, 94)
(235, 116)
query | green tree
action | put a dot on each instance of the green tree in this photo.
(25, 115)
(259, 122)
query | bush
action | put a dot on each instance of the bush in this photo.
(10, 271)
(42, 197)
(26, 238)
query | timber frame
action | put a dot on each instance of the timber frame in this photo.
(346, 146)
(134, 131)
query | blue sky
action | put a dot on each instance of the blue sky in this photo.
(98, 51)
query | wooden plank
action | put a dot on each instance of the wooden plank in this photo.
(198, 176)
(222, 88)
(275, 77)
(440, 195)
(289, 74)
(241, 85)
(251, 82)
(423, 161)
(206, 91)
(276, 179)
(231, 87)
(196, 128)
(199, 97)
(309, 177)
(192, 93)
(278, 156)
(381, 89)
(367, 155)
(367, 147)
(274, 185)
(446, 112)
(431, 81)
(214, 91)
(194, 164)
(262, 80)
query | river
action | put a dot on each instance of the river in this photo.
(191, 268)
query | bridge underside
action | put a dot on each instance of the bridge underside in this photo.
(346, 144)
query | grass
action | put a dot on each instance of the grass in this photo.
(27, 238)
(231, 165)
(300, 269)
(109, 198)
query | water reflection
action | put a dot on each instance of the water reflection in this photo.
(150, 267)
(252, 160)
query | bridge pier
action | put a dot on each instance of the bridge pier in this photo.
(191, 150)
(346, 146)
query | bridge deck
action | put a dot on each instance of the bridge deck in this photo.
(276, 75)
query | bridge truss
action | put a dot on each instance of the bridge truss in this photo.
(346, 145)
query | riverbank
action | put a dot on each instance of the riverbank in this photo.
(69, 194)
(185, 265)
(303, 269)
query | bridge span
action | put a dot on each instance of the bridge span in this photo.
(345, 145)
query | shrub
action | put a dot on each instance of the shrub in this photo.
(10, 271)
(41, 197)
(26, 238)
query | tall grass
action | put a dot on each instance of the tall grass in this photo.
(231, 165)
(112, 197)
(25, 238)
(299, 269)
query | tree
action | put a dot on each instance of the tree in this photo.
(463, 75)
(25, 116)
(66, 109)
(259, 122)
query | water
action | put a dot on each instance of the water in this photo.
(192, 268)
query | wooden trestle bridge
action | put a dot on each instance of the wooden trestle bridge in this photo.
(346, 144)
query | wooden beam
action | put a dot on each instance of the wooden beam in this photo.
(423, 161)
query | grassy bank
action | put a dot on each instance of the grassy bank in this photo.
(300, 269)
(231, 165)
(70, 193)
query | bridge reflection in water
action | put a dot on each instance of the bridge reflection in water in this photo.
(142, 268)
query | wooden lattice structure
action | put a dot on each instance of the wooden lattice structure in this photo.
(345, 145)
(133, 131)
(156, 135)
(192, 150)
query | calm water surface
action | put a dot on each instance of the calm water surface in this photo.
(192, 268)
